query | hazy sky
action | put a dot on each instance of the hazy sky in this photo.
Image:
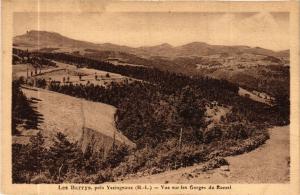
(263, 29)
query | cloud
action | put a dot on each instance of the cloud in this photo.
(260, 29)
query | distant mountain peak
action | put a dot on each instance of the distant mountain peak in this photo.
(34, 38)
(196, 43)
(165, 45)
(32, 34)
(41, 33)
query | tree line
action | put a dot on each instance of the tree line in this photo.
(24, 57)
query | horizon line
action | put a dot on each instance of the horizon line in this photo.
(136, 47)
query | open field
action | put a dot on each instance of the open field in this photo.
(20, 70)
(254, 97)
(74, 117)
(68, 73)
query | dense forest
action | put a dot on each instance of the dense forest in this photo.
(164, 113)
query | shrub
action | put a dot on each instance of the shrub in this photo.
(212, 134)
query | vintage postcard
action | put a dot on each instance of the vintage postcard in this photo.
(150, 97)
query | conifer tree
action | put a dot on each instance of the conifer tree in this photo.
(36, 153)
(63, 156)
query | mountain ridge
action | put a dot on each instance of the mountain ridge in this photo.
(44, 39)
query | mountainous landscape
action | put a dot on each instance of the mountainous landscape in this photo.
(253, 68)
(92, 113)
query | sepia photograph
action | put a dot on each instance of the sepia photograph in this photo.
(115, 98)
(121, 101)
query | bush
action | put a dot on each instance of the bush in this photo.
(214, 163)
(41, 83)
(212, 134)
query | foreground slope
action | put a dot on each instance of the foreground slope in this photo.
(267, 164)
